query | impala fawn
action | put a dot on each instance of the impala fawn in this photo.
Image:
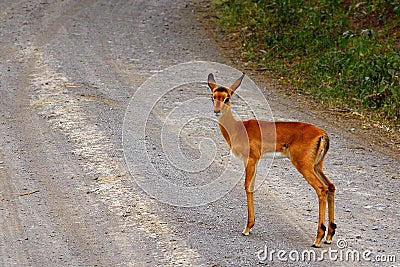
(304, 144)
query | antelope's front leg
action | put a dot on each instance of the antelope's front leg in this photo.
(249, 187)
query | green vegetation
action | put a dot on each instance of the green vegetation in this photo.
(344, 53)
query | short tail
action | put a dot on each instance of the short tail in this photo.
(322, 147)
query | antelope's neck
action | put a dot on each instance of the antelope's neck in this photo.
(228, 125)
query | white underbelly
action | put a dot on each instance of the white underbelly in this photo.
(276, 155)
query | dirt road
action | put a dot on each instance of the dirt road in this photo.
(71, 182)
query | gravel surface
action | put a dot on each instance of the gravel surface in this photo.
(71, 181)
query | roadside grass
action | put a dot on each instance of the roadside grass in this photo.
(344, 53)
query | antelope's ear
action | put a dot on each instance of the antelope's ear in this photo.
(236, 84)
(211, 82)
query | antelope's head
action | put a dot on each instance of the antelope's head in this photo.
(221, 95)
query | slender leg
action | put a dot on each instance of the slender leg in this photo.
(249, 187)
(250, 213)
(331, 212)
(331, 203)
(322, 192)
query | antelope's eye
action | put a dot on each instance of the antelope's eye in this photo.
(212, 99)
(226, 100)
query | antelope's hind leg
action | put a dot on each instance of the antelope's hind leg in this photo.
(322, 192)
(311, 176)
(331, 203)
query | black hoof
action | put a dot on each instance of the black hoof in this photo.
(327, 242)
